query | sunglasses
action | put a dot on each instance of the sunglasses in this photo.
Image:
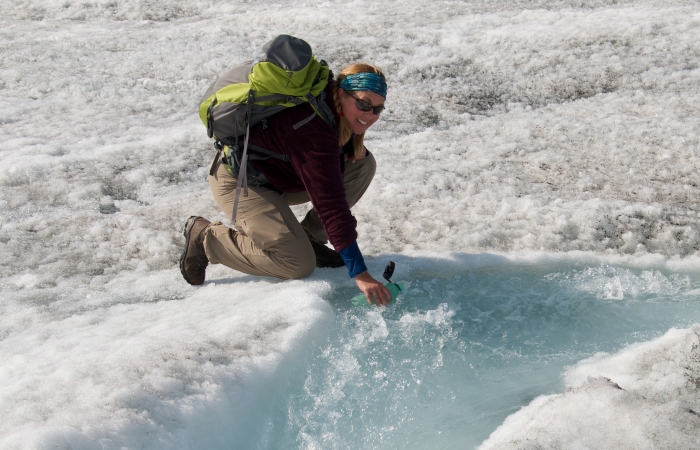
(365, 106)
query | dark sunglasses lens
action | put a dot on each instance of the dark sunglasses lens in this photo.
(362, 105)
(365, 106)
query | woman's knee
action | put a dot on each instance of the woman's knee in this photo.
(371, 164)
(303, 270)
(297, 262)
(360, 173)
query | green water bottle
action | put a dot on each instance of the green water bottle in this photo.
(394, 288)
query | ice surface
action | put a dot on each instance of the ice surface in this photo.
(644, 397)
(122, 370)
(563, 126)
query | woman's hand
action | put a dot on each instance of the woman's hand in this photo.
(375, 291)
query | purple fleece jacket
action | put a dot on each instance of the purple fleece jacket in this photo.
(315, 166)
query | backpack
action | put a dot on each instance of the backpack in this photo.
(283, 75)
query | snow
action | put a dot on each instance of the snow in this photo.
(644, 397)
(531, 131)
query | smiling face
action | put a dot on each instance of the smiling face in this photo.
(359, 120)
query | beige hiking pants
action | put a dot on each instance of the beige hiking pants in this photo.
(268, 239)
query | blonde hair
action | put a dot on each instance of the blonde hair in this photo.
(344, 127)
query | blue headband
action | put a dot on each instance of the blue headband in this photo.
(365, 81)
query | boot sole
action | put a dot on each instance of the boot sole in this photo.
(186, 233)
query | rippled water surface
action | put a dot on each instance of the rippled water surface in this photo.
(456, 354)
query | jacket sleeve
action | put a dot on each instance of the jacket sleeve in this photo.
(353, 260)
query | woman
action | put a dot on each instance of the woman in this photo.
(268, 239)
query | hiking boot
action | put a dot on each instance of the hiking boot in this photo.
(194, 261)
(325, 257)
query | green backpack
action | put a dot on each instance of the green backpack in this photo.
(284, 74)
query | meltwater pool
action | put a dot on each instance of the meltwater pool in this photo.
(460, 351)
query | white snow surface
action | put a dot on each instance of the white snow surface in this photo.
(512, 127)
(645, 397)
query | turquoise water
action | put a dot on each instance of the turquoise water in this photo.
(463, 349)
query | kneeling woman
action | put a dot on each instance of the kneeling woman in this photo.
(268, 239)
